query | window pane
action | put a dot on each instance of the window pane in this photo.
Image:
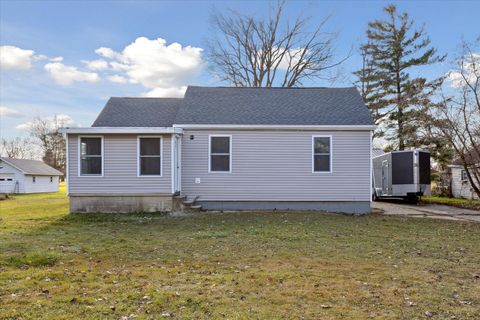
(321, 163)
(220, 145)
(91, 146)
(220, 163)
(150, 165)
(149, 146)
(91, 165)
(322, 145)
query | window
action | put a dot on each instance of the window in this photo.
(91, 154)
(51, 179)
(9, 179)
(150, 156)
(464, 175)
(34, 179)
(322, 155)
(220, 158)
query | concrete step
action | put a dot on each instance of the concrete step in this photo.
(190, 202)
(196, 207)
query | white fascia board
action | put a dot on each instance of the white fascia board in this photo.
(121, 130)
(277, 127)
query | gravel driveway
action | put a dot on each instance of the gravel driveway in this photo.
(430, 210)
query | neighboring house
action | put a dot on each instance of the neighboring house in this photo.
(460, 185)
(27, 176)
(226, 148)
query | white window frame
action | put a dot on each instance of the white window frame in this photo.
(461, 175)
(229, 136)
(139, 162)
(79, 157)
(330, 154)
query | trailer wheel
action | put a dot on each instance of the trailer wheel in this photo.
(413, 199)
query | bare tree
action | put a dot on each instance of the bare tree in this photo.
(52, 142)
(18, 148)
(457, 116)
(251, 52)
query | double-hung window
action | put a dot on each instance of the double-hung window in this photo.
(220, 157)
(150, 156)
(464, 175)
(91, 156)
(322, 154)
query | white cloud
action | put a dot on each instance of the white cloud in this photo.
(12, 57)
(66, 75)
(456, 77)
(117, 79)
(96, 64)
(9, 113)
(56, 59)
(59, 120)
(164, 69)
(106, 52)
(174, 92)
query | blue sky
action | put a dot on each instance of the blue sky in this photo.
(56, 78)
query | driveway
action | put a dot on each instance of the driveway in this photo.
(430, 211)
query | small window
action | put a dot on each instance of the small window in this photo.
(91, 153)
(34, 179)
(220, 154)
(322, 157)
(51, 179)
(9, 179)
(150, 156)
(2, 179)
(464, 175)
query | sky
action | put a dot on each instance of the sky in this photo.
(66, 58)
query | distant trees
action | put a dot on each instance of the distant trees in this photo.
(251, 52)
(392, 92)
(18, 148)
(456, 118)
(52, 142)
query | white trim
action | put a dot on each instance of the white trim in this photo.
(330, 154)
(67, 166)
(121, 130)
(172, 161)
(79, 158)
(229, 136)
(370, 180)
(161, 158)
(276, 127)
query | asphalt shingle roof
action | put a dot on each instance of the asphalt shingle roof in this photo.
(32, 167)
(273, 106)
(240, 106)
(138, 112)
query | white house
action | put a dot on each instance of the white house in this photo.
(27, 176)
(460, 185)
(224, 148)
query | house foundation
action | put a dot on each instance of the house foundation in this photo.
(120, 203)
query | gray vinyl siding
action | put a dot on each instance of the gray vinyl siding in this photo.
(120, 169)
(277, 166)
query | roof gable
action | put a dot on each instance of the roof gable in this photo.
(240, 106)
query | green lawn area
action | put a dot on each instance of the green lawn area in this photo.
(54, 265)
(456, 202)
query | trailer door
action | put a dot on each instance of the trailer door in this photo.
(384, 177)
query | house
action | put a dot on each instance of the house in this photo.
(225, 148)
(459, 183)
(27, 176)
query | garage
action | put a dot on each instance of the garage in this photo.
(7, 183)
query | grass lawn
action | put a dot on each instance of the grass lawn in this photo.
(237, 266)
(456, 202)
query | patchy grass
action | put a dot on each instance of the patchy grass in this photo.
(237, 266)
(455, 202)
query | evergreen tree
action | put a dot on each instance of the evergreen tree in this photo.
(395, 97)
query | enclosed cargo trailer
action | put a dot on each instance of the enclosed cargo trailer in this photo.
(401, 174)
